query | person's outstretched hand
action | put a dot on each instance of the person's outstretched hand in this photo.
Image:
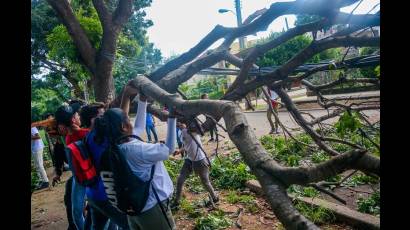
(130, 90)
(143, 97)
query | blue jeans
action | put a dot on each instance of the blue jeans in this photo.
(149, 129)
(77, 199)
(179, 141)
(78, 203)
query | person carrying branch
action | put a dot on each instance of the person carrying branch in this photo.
(195, 160)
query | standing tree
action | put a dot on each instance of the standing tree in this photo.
(97, 51)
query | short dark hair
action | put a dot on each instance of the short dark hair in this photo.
(204, 95)
(46, 115)
(64, 114)
(89, 112)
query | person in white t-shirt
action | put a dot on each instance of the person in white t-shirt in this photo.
(274, 102)
(195, 160)
(37, 147)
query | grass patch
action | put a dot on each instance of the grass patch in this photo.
(370, 205)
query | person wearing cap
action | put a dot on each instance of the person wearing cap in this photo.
(69, 123)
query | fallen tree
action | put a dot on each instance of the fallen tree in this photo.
(162, 85)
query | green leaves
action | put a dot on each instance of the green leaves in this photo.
(377, 70)
(226, 174)
(317, 215)
(284, 52)
(370, 205)
(215, 86)
(214, 220)
(348, 122)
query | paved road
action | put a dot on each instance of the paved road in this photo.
(259, 122)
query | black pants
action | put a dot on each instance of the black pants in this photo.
(211, 132)
(67, 203)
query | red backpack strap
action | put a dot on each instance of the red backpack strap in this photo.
(82, 164)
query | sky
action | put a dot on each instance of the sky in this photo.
(181, 24)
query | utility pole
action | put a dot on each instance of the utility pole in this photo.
(239, 21)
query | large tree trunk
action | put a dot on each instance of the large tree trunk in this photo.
(104, 89)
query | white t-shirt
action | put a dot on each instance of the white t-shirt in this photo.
(273, 95)
(194, 153)
(37, 144)
(141, 156)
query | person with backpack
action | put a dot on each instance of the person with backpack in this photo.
(101, 211)
(68, 119)
(195, 160)
(140, 185)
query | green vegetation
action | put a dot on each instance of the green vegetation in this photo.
(317, 215)
(247, 200)
(57, 71)
(286, 151)
(190, 209)
(348, 123)
(303, 191)
(361, 179)
(212, 221)
(214, 86)
(225, 173)
(230, 173)
(370, 205)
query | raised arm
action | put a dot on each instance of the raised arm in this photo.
(171, 134)
(128, 95)
(139, 124)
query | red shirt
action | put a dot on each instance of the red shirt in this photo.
(76, 135)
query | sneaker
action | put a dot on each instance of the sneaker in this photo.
(43, 185)
(211, 140)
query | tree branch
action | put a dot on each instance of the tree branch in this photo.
(103, 14)
(76, 32)
(122, 13)
(282, 72)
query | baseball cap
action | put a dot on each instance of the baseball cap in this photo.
(64, 114)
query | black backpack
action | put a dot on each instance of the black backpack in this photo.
(125, 191)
